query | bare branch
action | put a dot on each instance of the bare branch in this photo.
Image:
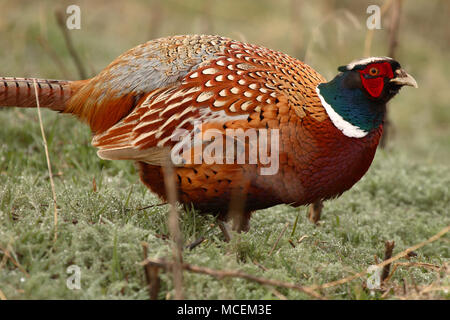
(387, 255)
(152, 276)
(49, 166)
(220, 274)
(73, 52)
(174, 228)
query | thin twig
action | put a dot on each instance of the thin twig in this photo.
(368, 43)
(220, 274)
(73, 52)
(279, 237)
(311, 290)
(152, 206)
(226, 230)
(386, 293)
(174, 229)
(277, 294)
(389, 247)
(54, 56)
(196, 243)
(94, 185)
(4, 259)
(393, 43)
(151, 275)
(49, 166)
(394, 27)
(14, 261)
(412, 264)
(369, 35)
(291, 243)
(386, 262)
(404, 287)
(430, 289)
(420, 264)
(260, 265)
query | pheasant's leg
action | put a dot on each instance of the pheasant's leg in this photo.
(314, 211)
(226, 229)
(240, 223)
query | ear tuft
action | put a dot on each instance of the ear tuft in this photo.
(343, 68)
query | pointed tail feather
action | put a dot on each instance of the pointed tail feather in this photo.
(19, 92)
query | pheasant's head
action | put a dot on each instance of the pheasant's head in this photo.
(379, 77)
(356, 98)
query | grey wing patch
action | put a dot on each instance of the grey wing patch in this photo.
(154, 156)
(158, 63)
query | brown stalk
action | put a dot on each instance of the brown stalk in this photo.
(393, 44)
(53, 56)
(151, 275)
(278, 239)
(412, 264)
(49, 166)
(174, 229)
(310, 290)
(389, 247)
(16, 263)
(260, 265)
(302, 238)
(196, 243)
(69, 43)
(220, 274)
(369, 35)
(386, 262)
(152, 206)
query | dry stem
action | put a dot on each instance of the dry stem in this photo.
(389, 245)
(73, 52)
(174, 229)
(220, 274)
(152, 276)
(384, 263)
(278, 240)
(49, 166)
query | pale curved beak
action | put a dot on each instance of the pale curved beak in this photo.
(404, 79)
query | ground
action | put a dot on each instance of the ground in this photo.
(101, 230)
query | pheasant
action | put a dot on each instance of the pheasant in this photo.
(318, 138)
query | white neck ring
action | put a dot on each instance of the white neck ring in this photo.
(343, 125)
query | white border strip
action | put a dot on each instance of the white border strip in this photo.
(346, 127)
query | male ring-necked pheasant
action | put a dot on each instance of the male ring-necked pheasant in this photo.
(327, 131)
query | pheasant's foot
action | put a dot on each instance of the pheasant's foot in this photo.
(226, 230)
(241, 221)
(315, 210)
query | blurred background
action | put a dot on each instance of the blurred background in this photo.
(324, 34)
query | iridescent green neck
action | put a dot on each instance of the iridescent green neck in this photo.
(352, 105)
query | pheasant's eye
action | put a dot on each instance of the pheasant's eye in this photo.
(373, 71)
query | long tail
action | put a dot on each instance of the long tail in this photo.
(19, 92)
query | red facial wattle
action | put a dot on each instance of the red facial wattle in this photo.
(372, 77)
